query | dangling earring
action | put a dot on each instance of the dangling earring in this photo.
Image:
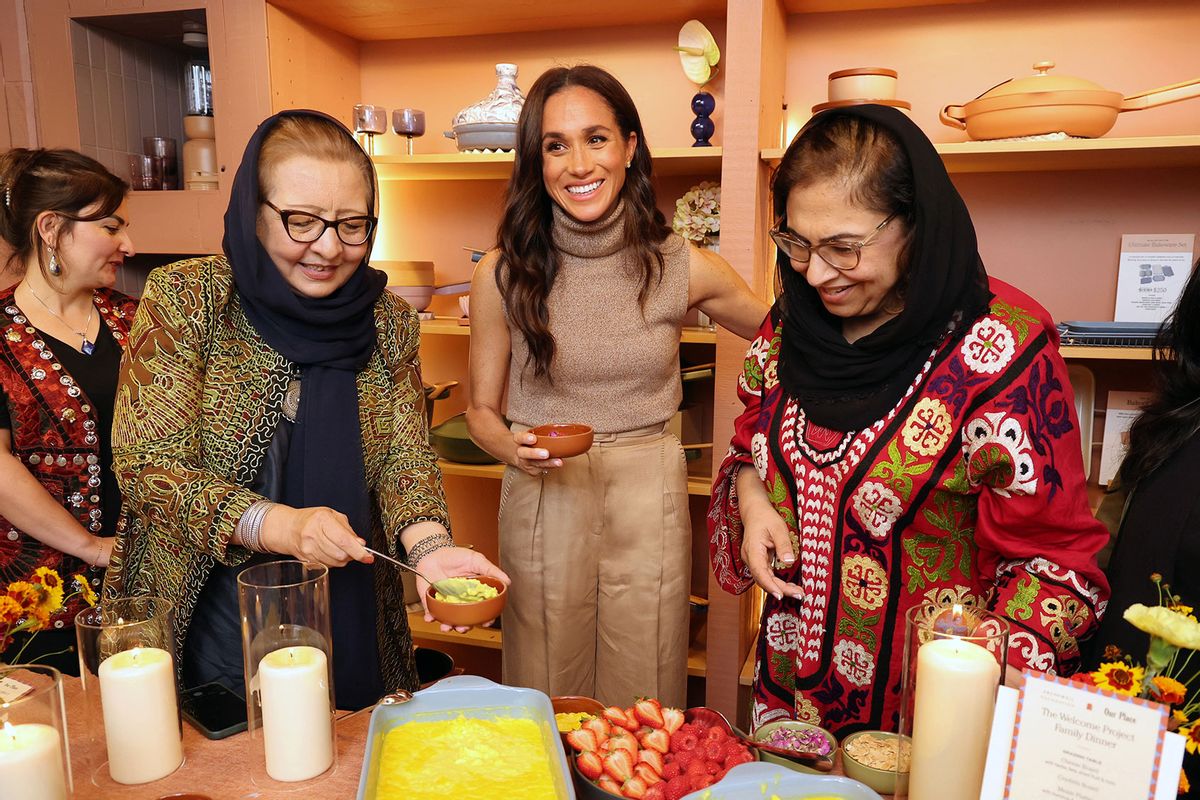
(53, 268)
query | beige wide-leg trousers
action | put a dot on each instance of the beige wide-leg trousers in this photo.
(599, 554)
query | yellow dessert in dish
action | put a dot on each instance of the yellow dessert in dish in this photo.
(466, 759)
(470, 591)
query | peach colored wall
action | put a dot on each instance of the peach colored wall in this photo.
(311, 67)
(1056, 235)
(17, 125)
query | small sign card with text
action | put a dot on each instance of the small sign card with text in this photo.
(1151, 275)
(1069, 738)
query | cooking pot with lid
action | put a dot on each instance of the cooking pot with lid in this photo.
(1043, 103)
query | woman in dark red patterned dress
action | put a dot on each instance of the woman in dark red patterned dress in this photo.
(908, 437)
(62, 331)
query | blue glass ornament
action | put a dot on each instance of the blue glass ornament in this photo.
(703, 105)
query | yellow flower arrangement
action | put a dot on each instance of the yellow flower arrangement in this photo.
(1165, 623)
(26, 606)
(1120, 678)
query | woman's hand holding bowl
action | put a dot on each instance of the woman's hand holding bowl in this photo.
(453, 562)
(532, 460)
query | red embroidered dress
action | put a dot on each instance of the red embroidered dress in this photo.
(54, 435)
(970, 490)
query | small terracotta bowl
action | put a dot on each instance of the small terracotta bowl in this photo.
(881, 780)
(469, 613)
(563, 441)
(574, 704)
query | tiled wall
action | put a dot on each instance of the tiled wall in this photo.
(125, 89)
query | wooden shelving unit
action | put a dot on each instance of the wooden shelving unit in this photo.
(492, 638)
(668, 161)
(448, 326)
(1077, 352)
(1069, 155)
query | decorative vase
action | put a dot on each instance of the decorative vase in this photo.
(288, 662)
(703, 105)
(35, 760)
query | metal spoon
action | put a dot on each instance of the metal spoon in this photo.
(452, 587)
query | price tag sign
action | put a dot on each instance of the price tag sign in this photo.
(1069, 739)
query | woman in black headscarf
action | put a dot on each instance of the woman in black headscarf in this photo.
(271, 406)
(908, 438)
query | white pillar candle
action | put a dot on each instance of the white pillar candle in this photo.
(297, 720)
(952, 720)
(31, 763)
(141, 715)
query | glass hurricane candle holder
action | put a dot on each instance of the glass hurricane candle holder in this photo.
(369, 121)
(954, 659)
(127, 666)
(35, 759)
(288, 661)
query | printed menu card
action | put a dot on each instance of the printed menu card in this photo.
(1069, 737)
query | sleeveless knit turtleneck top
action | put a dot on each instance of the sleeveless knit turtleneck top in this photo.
(616, 365)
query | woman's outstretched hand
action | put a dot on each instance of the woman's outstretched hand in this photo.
(454, 562)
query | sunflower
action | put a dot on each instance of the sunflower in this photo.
(1170, 691)
(11, 613)
(29, 596)
(1192, 734)
(52, 589)
(1120, 678)
(84, 589)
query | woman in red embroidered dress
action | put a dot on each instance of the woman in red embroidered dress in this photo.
(908, 437)
(62, 331)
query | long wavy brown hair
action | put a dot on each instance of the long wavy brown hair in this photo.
(528, 260)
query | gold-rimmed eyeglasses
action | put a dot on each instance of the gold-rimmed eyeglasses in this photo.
(837, 254)
(306, 228)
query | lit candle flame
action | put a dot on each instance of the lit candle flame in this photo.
(9, 731)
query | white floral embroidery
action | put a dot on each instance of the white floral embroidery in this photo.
(771, 375)
(806, 710)
(877, 507)
(758, 449)
(758, 353)
(989, 346)
(854, 662)
(783, 632)
(864, 582)
(997, 450)
(1024, 651)
(762, 715)
(928, 427)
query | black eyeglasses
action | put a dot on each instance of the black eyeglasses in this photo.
(839, 255)
(306, 228)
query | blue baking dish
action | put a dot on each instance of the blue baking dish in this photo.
(760, 780)
(472, 697)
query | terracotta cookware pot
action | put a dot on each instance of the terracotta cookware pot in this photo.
(1045, 103)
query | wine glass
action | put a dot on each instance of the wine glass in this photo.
(408, 122)
(369, 120)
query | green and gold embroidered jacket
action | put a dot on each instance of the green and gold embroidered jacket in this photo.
(200, 398)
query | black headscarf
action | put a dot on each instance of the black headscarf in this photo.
(329, 338)
(846, 386)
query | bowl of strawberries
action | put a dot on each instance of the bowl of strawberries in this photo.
(652, 752)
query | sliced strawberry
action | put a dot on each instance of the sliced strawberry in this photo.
(646, 773)
(590, 765)
(622, 740)
(609, 785)
(634, 788)
(620, 718)
(618, 765)
(657, 792)
(582, 739)
(648, 711)
(683, 740)
(599, 726)
(653, 759)
(672, 719)
(657, 740)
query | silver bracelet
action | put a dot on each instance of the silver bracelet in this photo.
(249, 527)
(427, 545)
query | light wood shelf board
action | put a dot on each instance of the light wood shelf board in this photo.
(1075, 154)
(1107, 353)
(824, 6)
(493, 639)
(668, 161)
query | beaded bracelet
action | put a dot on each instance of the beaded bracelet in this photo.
(427, 545)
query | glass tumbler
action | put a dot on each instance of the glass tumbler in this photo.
(145, 173)
(954, 659)
(127, 666)
(288, 661)
(35, 759)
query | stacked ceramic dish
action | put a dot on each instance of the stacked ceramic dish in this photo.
(862, 85)
(412, 280)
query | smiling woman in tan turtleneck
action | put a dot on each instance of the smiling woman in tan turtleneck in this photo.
(578, 315)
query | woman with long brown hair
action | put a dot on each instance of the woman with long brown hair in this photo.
(62, 331)
(577, 314)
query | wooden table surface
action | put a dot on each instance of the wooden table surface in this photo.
(219, 770)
